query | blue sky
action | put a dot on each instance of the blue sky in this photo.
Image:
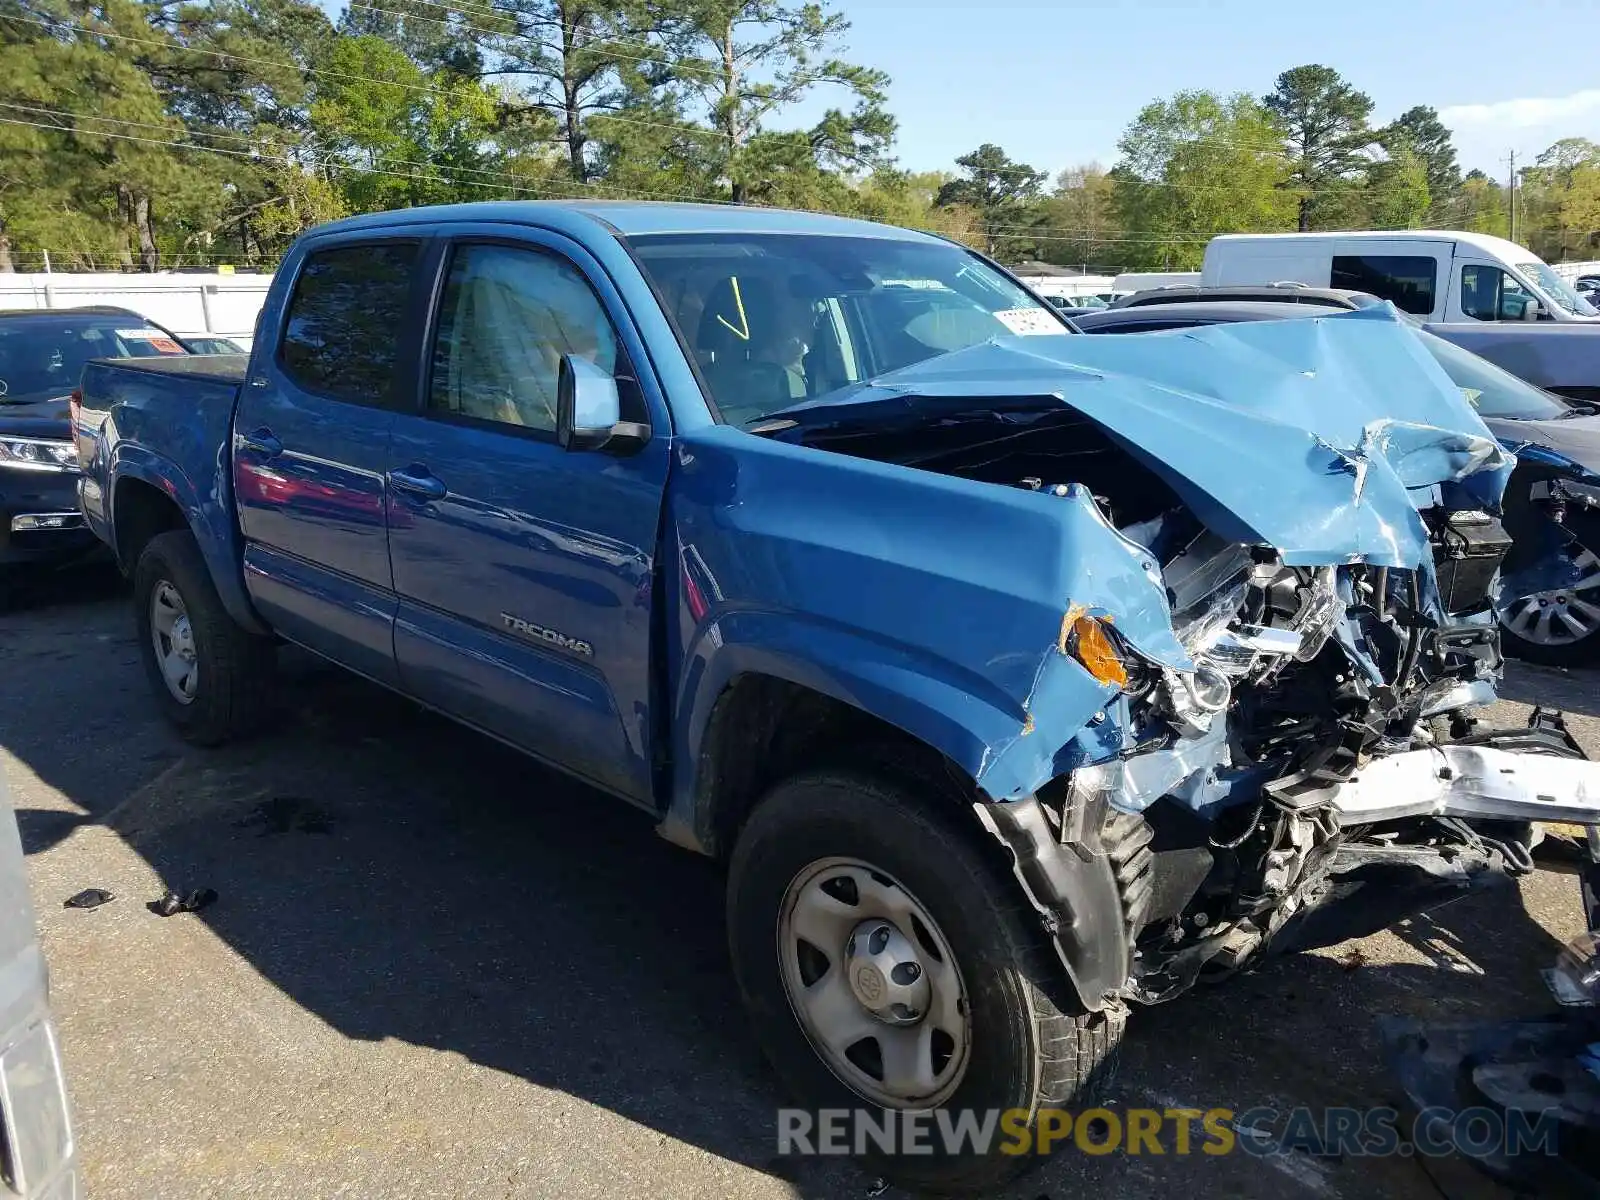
(1056, 83)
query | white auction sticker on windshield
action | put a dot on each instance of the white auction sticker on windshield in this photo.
(1027, 322)
(159, 342)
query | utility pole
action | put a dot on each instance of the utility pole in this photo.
(1513, 196)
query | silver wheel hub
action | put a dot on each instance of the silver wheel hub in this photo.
(874, 984)
(885, 973)
(1560, 616)
(172, 636)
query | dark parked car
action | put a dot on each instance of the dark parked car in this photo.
(208, 344)
(42, 355)
(1549, 594)
(1281, 293)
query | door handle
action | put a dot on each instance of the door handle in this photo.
(262, 442)
(418, 481)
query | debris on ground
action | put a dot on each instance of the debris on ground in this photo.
(172, 902)
(88, 898)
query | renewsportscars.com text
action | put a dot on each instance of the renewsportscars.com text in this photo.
(1262, 1132)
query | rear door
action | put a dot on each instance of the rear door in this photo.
(523, 570)
(311, 440)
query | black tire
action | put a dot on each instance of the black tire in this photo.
(1033, 1045)
(234, 667)
(1580, 653)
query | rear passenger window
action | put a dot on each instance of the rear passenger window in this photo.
(342, 335)
(1406, 280)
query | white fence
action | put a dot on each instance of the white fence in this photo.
(189, 305)
(1571, 270)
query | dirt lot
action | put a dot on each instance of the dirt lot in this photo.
(437, 969)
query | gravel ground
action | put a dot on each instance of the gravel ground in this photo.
(437, 969)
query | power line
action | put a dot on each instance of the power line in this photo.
(523, 37)
(687, 130)
(322, 160)
(494, 10)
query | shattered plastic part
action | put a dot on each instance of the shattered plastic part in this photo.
(1477, 782)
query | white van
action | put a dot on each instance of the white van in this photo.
(1439, 276)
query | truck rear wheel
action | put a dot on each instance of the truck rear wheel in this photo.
(888, 965)
(210, 676)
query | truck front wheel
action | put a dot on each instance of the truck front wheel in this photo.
(209, 675)
(889, 965)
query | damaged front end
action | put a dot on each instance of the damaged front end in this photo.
(1288, 611)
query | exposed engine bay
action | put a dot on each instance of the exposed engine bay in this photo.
(1243, 789)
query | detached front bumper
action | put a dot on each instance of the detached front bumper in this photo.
(1473, 782)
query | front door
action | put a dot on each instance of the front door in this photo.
(311, 447)
(523, 570)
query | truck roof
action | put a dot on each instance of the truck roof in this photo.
(634, 217)
(1494, 246)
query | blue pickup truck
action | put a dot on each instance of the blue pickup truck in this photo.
(1019, 676)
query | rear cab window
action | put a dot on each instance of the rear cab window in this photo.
(1409, 281)
(342, 329)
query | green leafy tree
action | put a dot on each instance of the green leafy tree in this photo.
(1194, 166)
(1482, 205)
(577, 59)
(1420, 130)
(745, 62)
(1397, 191)
(1324, 129)
(1079, 219)
(396, 141)
(1003, 194)
(434, 36)
(1556, 202)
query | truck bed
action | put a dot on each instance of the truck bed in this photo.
(182, 405)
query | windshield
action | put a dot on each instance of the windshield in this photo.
(43, 359)
(1493, 392)
(773, 320)
(1558, 290)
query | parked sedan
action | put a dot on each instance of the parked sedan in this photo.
(211, 344)
(42, 354)
(1548, 598)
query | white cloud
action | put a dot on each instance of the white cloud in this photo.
(1527, 113)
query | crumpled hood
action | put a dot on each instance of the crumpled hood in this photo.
(1303, 435)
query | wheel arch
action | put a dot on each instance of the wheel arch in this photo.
(147, 500)
(767, 716)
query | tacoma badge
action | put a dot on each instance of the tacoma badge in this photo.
(552, 637)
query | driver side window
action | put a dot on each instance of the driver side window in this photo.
(1490, 294)
(507, 317)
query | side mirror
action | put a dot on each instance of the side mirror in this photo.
(1530, 311)
(589, 410)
